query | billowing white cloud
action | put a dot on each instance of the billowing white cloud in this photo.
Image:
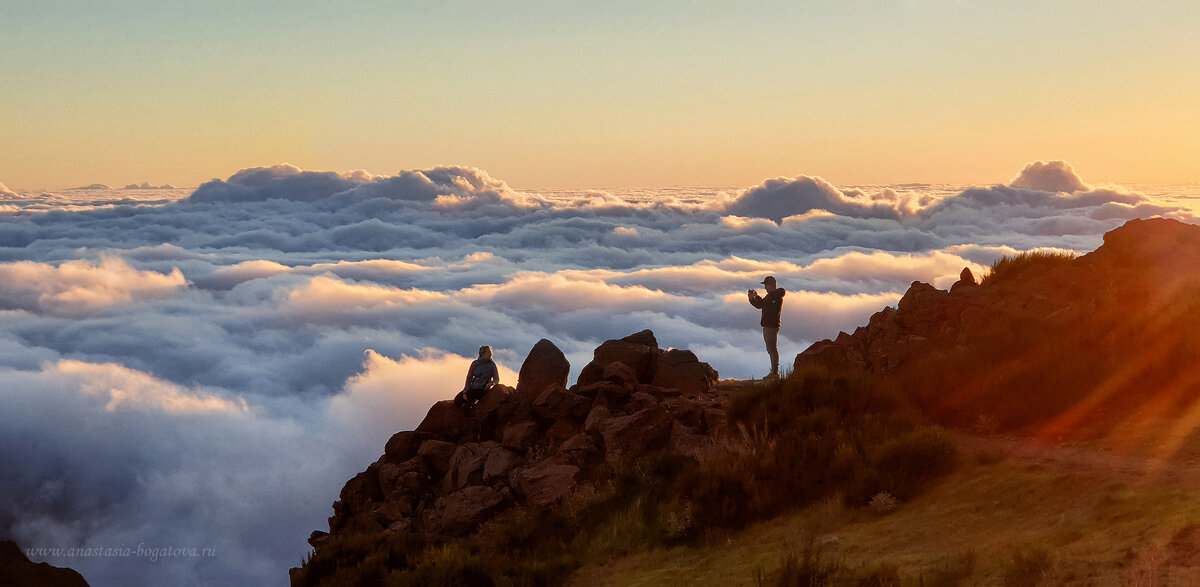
(1049, 176)
(779, 198)
(7, 193)
(81, 287)
(211, 369)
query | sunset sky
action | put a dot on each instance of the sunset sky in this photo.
(571, 94)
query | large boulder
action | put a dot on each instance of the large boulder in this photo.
(546, 366)
(518, 436)
(545, 483)
(403, 446)
(637, 351)
(556, 403)
(466, 466)
(436, 455)
(681, 370)
(445, 421)
(626, 437)
(460, 512)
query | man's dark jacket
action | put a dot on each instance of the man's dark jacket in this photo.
(771, 307)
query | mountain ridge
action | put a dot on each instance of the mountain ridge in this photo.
(1046, 346)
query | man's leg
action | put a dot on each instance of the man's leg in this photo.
(771, 337)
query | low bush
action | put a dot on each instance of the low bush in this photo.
(810, 436)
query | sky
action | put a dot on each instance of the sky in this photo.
(369, 191)
(599, 95)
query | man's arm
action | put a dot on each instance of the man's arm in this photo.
(755, 301)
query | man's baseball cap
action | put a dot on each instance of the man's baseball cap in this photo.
(769, 279)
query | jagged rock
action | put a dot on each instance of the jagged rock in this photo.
(562, 430)
(16, 570)
(610, 392)
(363, 488)
(436, 455)
(636, 433)
(598, 415)
(466, 466)
(317, 538)
(545, 483)
(500, 462)
(966, 281)
(680, 369)
(644, 338)
(546, 366)
(403, 446)
(636, 351)
(620, 374)
(460, 512)
(492, 401)
(556, 403)
(518, 436)
(642, 400)
(579, 449)
(686, 412)
(401, 481)
(445, 421)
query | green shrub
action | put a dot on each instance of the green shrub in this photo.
(1012, 266)
(811, 436)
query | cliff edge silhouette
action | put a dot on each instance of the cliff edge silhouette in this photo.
(651, 443)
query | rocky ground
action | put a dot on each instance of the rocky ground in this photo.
(535, 444)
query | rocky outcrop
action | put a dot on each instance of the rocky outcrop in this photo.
(546, 367)
(637, 358)
(534, 445)
(1070, 345)
(16, 570)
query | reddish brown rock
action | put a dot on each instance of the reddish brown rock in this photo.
(680, 369)
(518, 436)
(546, 366)
(445, 421)
(492, 400)
(460, 512)
(546, 483)
(436, 455)
(403, 446)
(558, 403)
(596, 417)
(635, 434)
(466, 466)
(620, 374)
(636, 351)
(499, 463)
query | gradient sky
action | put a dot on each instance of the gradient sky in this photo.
(599, 94)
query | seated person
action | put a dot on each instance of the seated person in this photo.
(481, 376)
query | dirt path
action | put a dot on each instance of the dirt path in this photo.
(1087, 456)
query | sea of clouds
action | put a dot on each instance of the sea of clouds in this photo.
(206, 368)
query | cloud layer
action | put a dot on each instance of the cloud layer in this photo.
(206, 369)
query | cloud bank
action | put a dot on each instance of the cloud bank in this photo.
(207, 368)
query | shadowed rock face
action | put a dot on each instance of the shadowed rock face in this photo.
(16, 570)
(545, 367)
(532, 446)
(1067, 343)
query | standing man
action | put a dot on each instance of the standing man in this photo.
(771, 307)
